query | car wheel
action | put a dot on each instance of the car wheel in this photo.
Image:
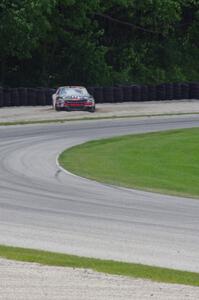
(57, 108)
(92, 109)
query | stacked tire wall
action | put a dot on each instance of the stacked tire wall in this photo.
(25, 96)
(107, 94)
(137, 93)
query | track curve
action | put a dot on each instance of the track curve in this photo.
(43, 207)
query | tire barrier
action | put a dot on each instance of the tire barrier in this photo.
(144, 93)
(152, 92)
(184, 91)
(7, 97)
(15, 97)
(161, 92)
(136, 93)
(176, 91)
(108, 94)
(48, 94)
(118, 94)
(98, 94)
(127, 93)
(40, 97)
(169, 91)
(23, 96)
(194, 91)
(1, 97)
(90, 89)
(32, 97)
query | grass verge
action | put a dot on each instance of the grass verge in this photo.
(165, 162)
(104, 266)
(21, 122)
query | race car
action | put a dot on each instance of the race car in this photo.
(73, 98)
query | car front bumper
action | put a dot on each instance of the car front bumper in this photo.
(75, 105)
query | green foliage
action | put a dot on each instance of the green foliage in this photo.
(23, 23)
(52, 42)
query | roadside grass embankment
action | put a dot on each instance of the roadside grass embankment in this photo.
(163, 162)
(105, 266)
(94, 117)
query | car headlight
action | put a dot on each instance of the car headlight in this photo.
(90, 100)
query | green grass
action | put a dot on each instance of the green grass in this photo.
(105, 266)
(166, 162)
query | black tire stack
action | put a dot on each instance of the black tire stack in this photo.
(136, 93)
(90, 90)
(23, 96)
(169, 91)
(118, 94)
(144, 93)
(177, 91)
(152, 92)
(31, 97)
(40, 97)
(98, 94)
(194, 91)
(1, 97)
(127, 93)
(108, 96)
(15, 101)
(161, 92)
(48, 94)
(7, 97)
(184, 91)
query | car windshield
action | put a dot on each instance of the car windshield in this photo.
(77, 91)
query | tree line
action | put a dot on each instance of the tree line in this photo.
(98, 42)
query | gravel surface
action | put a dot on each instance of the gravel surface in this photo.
(19, 280)
(9, 114)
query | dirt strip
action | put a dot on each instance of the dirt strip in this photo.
(35, 113)
(28, 281)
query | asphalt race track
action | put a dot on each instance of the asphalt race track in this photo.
(45, 208)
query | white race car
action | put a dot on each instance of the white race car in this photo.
(73, 98)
